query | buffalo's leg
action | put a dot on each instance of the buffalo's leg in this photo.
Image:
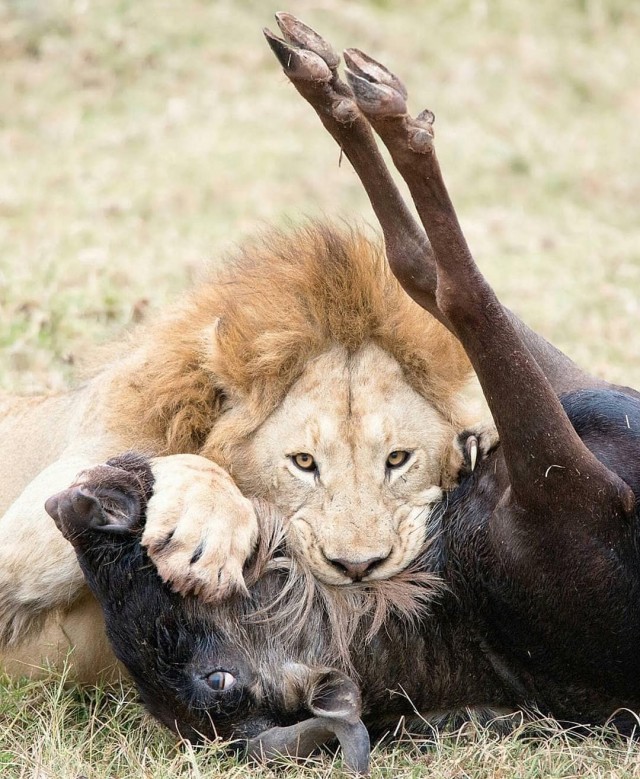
(550, 469)
(410, 143)
(547, 440)
(310, 64)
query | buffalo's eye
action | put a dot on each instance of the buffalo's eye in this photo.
(304, 461)
(397, 458)
(220, 680)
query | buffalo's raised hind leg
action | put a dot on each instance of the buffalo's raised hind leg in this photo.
(552, 472)
(410, 143)
(310, 63)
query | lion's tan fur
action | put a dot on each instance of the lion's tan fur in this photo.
(241, 339)
(252, 329)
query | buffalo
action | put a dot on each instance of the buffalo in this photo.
(527, 592)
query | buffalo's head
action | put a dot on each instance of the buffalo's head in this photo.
(205, 671)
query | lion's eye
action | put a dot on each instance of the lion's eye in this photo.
(304, 461)
(220, 680)
(397, 458)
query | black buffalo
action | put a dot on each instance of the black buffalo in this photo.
(537, 549)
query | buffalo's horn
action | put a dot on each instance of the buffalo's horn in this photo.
(305, 737)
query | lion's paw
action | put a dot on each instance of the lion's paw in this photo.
(200, 529)
(469, 448)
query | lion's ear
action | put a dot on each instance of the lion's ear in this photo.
(216, 359)
(211, 342)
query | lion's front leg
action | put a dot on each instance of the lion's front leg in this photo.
(200, 529)
(38, 569)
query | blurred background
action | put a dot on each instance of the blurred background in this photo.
(140, 140)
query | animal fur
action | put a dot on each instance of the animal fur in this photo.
(203, 380)
(250, 331)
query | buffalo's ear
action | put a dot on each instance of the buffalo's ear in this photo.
(105, 500)
(334, 695)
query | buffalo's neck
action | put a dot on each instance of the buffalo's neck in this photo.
(443, 663)
(567, 651)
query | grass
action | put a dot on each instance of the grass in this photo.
(140, 140)
(50, 732)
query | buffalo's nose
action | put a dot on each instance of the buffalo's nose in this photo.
(356, 569)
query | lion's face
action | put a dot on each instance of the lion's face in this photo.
(353, 458)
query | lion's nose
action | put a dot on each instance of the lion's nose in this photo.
(356, 569)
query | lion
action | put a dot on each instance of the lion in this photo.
(300, 374)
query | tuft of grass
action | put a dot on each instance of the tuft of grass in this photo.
(51, 731)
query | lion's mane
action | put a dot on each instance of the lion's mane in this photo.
(248, 332)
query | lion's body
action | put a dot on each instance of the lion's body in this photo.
(315, 315)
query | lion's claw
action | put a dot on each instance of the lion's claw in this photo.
(207, 577)
(200, 529)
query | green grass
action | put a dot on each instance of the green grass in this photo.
(141, 139)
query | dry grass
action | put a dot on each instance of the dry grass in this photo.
(50, 732)
(140, 139)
